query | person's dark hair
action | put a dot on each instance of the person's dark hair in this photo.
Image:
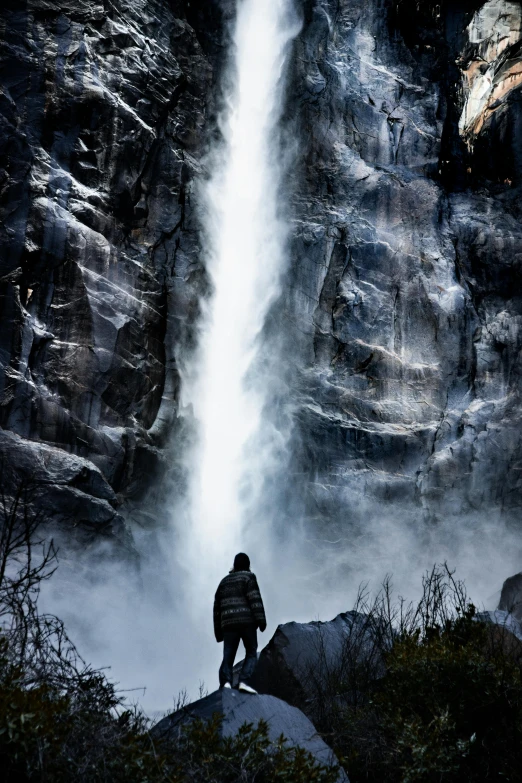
(241, 562)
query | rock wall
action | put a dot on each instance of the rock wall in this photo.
(405, 279)
(402, 302)
(102, 110)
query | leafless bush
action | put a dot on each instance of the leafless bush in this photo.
(37, 642)
(69, 720)
(341, 684)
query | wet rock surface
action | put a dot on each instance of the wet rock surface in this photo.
(101, 111)
(303, 660)
(511, 597)
(404, 281)
(237, 708)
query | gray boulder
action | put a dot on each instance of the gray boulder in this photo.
(305, 662)
(504, 620)
(511, 597)
(238, 708)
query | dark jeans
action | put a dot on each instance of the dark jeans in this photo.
(248, 635)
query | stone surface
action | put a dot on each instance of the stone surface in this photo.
(101, 114)
(491, 64)
(303, 660)
(67, 489)
(404, 284)
(505, 620)
(511, 597)
(238, 708)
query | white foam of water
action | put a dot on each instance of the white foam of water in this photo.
(245, 254)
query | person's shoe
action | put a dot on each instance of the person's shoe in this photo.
(246, 688)
(227, 685)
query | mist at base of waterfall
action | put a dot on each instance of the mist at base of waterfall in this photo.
(138, 623)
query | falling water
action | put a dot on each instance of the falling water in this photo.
(245, 249)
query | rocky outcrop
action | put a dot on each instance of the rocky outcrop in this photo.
(507, 627)
(511, 597)
(491, 64)
(237, 708)
(62, 487)
(101, 115)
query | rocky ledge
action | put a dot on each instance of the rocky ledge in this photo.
(235, 709)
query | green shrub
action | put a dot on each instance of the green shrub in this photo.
(447, 705)
(207, 757)
(84, 736)
(80, 733)
(451, 703)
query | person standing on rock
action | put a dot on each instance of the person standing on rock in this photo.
(238, 613)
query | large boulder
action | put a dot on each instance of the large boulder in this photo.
(238, 708)
(304, 662)
(511, 597)
(504, 620)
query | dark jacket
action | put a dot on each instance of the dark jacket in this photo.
(238, 603)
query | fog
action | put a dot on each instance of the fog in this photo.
(157, 645)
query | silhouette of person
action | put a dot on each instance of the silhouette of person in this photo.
(238, 613)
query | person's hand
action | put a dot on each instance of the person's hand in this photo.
(219, 639)
(262, 627)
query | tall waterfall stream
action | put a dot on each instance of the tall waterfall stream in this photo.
(245, 255)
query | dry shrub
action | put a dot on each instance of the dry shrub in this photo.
(423, 692)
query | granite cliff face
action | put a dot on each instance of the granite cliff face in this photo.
(102, 111)
(405, 280)
(402, 298)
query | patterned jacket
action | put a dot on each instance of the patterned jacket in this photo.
(238, 602)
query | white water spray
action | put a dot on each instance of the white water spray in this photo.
(245, 253)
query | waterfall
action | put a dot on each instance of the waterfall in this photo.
(244, 246)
